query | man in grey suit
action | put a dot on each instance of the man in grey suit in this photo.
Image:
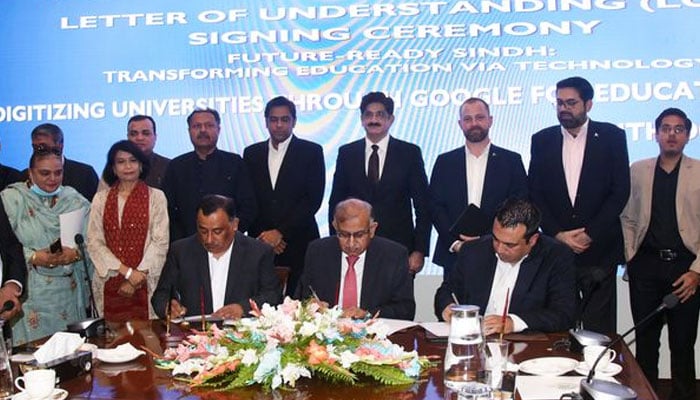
(363, 273)
(217, 266)
(661, 226)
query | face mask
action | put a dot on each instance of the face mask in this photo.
(41, 192)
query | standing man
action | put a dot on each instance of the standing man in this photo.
(579, 179)
(206, 170)
(82, 177)
(389, 174)
(661, 226)
(362, 273)
(141, 130)
(8, 175)
(289, 177)
(217, 268)
(478, 173)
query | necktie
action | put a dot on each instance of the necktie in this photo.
(350, 284)
(373, 167)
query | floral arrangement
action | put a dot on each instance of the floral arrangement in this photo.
(291, 341)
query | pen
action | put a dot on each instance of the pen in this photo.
(454, 298)
(313, 293)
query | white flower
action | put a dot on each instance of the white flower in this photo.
(248, 357)
(378, 328)
(189, 366)
(292, 372)
(308, 329)
(269, 363)
(348, 358)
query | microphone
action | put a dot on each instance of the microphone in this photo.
(80, 241)
(591, 387)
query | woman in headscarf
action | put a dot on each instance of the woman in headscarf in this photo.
(128, 236)
(56, 293)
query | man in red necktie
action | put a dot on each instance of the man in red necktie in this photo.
(363, 273)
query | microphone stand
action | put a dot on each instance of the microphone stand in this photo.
(94, 325)
(94, 313)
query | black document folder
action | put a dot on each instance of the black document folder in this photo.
(472, 222)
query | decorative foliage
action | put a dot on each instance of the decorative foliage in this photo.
(294, 340)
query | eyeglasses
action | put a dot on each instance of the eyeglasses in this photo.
(199, 126)
(359, 235)
(568, 104)
(678, 129)
(43, 150)
(378, 114)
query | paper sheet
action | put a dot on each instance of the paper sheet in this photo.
(395, 325)
(71, 224)
(439, 329)
(548, 387)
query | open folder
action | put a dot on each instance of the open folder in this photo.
(472, 222)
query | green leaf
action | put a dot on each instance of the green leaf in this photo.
(384, 374)
(334, 373)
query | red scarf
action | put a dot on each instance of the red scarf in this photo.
(127, 242)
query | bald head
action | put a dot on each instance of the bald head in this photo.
(354, 225)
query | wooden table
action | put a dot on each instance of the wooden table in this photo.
(139, 379)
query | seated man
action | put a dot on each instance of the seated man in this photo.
(218, 266)
(534, 271)
(361, 272)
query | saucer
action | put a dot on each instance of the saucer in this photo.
(58, 394)
(611, 370)
(548, 366)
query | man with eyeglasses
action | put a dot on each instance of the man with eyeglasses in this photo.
(82, 177)
(479, 174)
(661, 226)
(389, 174)
(206, 170)
(517, 269)
(579, 179)
(289, 177)
(364, 274)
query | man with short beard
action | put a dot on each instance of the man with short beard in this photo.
(478, 173)
(579, 178)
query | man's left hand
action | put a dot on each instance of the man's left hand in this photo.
(273, 237)
(10, 292)
(494, 324)
(354, 312)
(687, 285)
(416, 260)
(229, 311)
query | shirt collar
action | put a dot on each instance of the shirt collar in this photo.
(383, 144)
(582, 133)
(282, 146)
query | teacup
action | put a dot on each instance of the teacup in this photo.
(37, 383)
(591, 353)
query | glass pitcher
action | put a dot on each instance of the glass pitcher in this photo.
(464, 356)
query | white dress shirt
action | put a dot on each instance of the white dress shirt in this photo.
(359, 269)
(218, 273)
(275, 158)
(572, 151)
(504, 280)
(476, 173)
(383, 145)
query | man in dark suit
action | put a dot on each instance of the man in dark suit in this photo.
(534, 272)
(81, 177)
(13, 268)
(579, 178)
(478, 173)
(289, 176)
(389, 174)
(8, 175)
(206, 170)
(141, 130)
(357, 270)
(218, 266)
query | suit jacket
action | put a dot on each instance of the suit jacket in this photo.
(292, 205)
(8, 175)
(13, 263)
(544, 295)
(387, 286)
(637, 214)
(80, 176)
(156, 173)
(603, 189)
(186, 271)
(505, 178)
(188, 179)
(403, 181)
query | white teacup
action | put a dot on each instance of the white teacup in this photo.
(37, 383)
(591, 353)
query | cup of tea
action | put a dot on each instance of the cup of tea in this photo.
(591, 353)
(37, 383)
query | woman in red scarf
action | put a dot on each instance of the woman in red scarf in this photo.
(127, 236)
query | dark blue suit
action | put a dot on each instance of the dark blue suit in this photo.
(387, 286)
(603, 189)
(292, 205)
(544, 295)
(402, 187)
(505, 178)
